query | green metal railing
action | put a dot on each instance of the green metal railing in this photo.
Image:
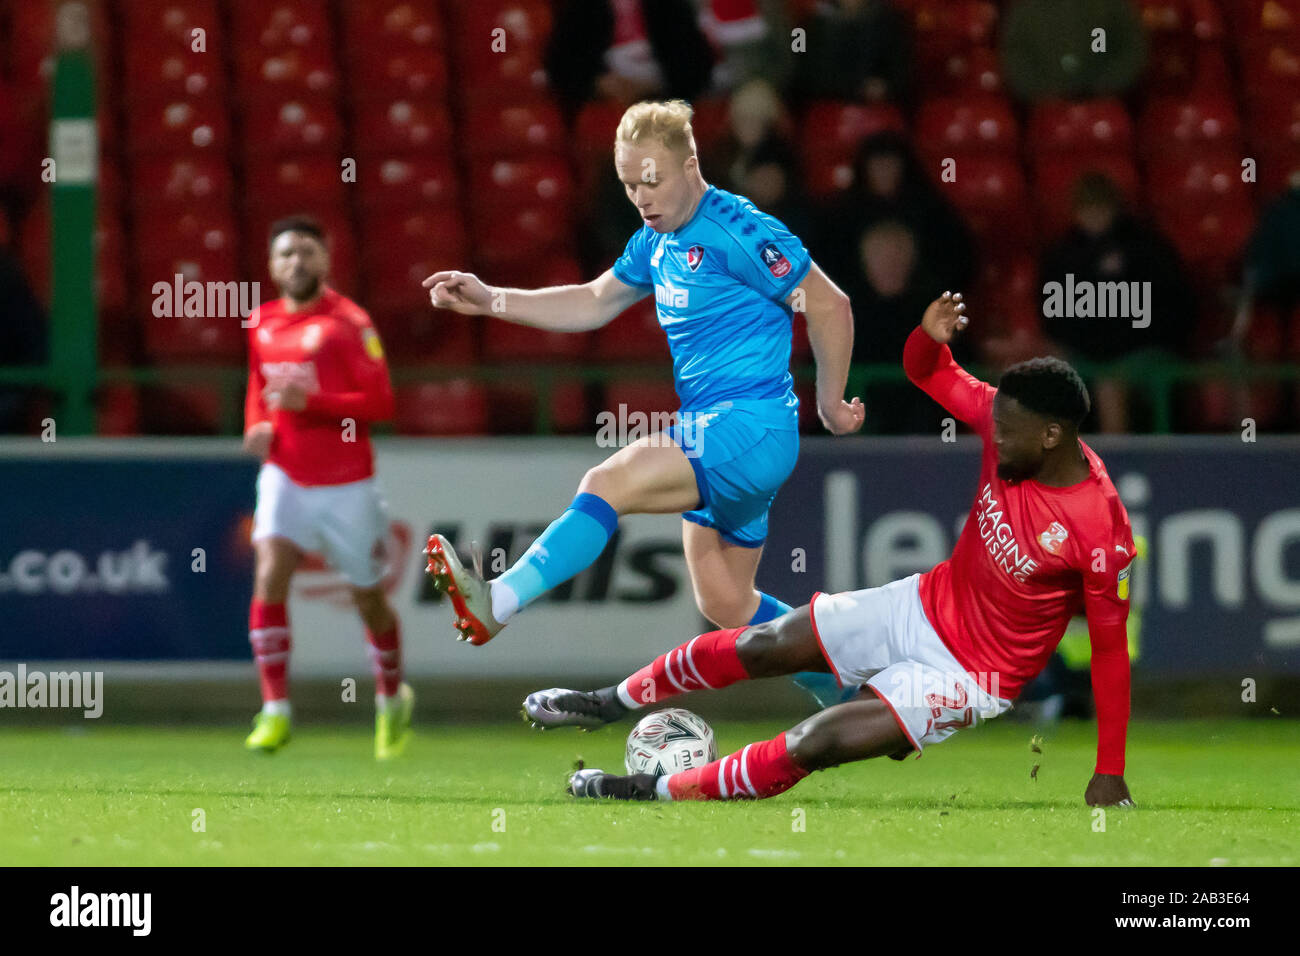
(1158, 380)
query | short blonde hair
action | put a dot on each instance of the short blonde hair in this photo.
(667, 123)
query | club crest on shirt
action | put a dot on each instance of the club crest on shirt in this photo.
(775, 260)
(1053, 538)
(694, 256)
(311, 337)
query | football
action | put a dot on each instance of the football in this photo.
(669, 741)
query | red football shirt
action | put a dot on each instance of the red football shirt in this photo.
(334, 352)
(1030, 557)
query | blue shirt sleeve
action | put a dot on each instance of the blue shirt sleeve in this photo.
(767, 257)
(633, 266)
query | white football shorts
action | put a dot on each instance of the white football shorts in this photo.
(347, 524)
(881, 637)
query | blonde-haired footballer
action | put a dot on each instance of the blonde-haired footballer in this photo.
(727, 279)
(316, 363)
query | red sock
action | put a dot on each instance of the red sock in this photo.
(386, 659)
(707, 662)
(759, 770)
(268, 632)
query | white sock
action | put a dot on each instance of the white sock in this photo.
(661, 788)
(626, 697)
(505, 602)
(277, 708)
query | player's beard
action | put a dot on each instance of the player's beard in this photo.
(1013, 473)
(305, 289)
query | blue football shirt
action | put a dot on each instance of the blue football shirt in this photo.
(719, 284)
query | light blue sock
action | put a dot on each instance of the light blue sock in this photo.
(823, 688)
(569, 544)
(769, 609)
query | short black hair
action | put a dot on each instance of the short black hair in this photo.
(1048, 387)
(303, 224)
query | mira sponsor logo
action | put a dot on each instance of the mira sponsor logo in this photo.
(140, 569)
(1000, 539)
(1098, 300)
(75, 690)
(672, 298)
(76, 909)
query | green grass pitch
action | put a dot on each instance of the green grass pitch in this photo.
(1210, 793)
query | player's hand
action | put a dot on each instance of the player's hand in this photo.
(461, 292)
(285, 397)
(257, 440)
(944, 317)
(1107, 790)
(843, 418)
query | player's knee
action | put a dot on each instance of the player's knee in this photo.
(760, 651)
(818, 743)
(371, 605)
(601, 481)
(271, 583)
(724, 610)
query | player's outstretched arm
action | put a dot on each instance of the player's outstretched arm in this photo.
(564, 308)
(930, 366)
(830, 330)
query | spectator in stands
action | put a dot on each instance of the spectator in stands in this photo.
(1107, 244)
(857, 50)
(1052, 48)
(889, 285)
(1272, 261)
(627, 50)
(751, 39)
(23, 334)
(889, 183)
(755, 157)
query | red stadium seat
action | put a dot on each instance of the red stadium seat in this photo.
(553, 269)
(1170, 124)
(118, 410)
(829, 139)
(397, 73)
(153, 74)
(287, 73)
(513, 408)
(282, 24)
(392, 24)
(513, 128)
(965, 73)
(184, 179)
(525, 22)
(510, 342)
(516, 69)
(408, 126)
(181, 409)
(1210, 239)
(400, 182)
(1090, 126)
(307, 181)
(951, 126)
(635, 336)
(594, 129)
(993, 197)
(295, 125)
(520, 234)
(839, 128)
(647, 397)
(1206, 181)
(419, 334)
(944, 27)
(542, 180)
(456, 407)
(392, 239)
(179, 126)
